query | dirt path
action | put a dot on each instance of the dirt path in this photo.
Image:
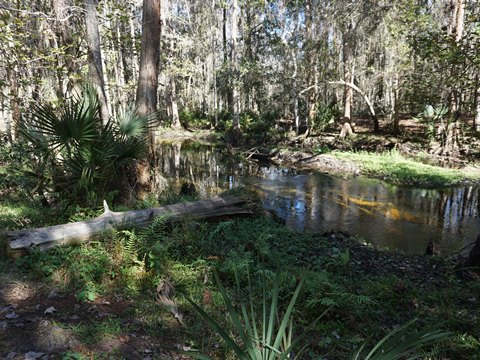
(39, 323)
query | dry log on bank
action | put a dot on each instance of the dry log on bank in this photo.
(18, 242)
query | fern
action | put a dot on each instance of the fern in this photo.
(129, 244)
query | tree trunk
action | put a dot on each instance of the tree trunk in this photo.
(458, 20)
(19, 242)
(311, 65)
(14, 101)
(173, 100)
(373, 115)
(477, 106)
(227, 100)
(146, 100)
(234, 61)
(451, 145)
(473, 261)
(135, 63)
(348, 75)
(95, 56)
(396, 104)
(63, 9)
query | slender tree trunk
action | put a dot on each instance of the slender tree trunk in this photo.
(14, 101)
(135, 62)
(348, 75)
(63, 11)
(396, 104)
(477, 106)
(346, 127)
(173, 99)
(458, 20)
(95, 56)
(121, 78)
(227, 96)
(311, 65)
(214, 80)
(234, 60)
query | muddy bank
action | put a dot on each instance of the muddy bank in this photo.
(322, 162)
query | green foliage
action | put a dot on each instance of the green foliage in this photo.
(401, 342)
(433, 118)
(194, 119)
(23, 170)
(185, 253)
(272, 338)
(324, 117)
(85, 269)
(339, 259)
(80, 155)
(323, 290)
(94, 331)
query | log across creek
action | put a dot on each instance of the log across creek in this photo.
(44, 238)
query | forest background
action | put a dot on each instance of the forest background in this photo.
(223, 64)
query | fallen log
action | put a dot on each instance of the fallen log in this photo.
(20, 241)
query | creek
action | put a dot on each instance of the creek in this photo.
(392, 217)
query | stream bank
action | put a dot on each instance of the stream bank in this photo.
(395, 160)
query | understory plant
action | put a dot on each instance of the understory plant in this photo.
(264, 336)
(402, 342)
(433, 118)
(81, 155)
(270, 336)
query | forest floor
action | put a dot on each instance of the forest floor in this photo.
(95, 301)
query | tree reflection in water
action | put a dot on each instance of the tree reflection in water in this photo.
(397, 218)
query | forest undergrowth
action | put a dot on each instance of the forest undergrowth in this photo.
(107, 299)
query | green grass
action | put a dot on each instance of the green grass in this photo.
(394, 168)
(19, 214)
(94, 331)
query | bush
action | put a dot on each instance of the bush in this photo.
(194, 119)
(78, 155)
(324, 117)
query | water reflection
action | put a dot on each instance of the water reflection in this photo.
(388, 216)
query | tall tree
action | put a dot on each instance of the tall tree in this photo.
(234, 69)
(146, 99)
(95, 56)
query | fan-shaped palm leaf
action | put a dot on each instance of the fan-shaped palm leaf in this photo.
(75, 124)
(130, 124)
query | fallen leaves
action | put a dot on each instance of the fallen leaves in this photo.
(50, 311)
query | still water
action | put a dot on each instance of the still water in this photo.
(392, 217)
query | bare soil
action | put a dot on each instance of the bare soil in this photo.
(37, 322)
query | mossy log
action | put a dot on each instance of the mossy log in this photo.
(20, 241)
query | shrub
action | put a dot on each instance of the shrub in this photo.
(82, 157)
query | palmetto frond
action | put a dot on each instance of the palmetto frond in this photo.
(130, 124)
(74, 124)
(88, 152)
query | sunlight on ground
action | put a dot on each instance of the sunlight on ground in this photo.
(16, 290)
